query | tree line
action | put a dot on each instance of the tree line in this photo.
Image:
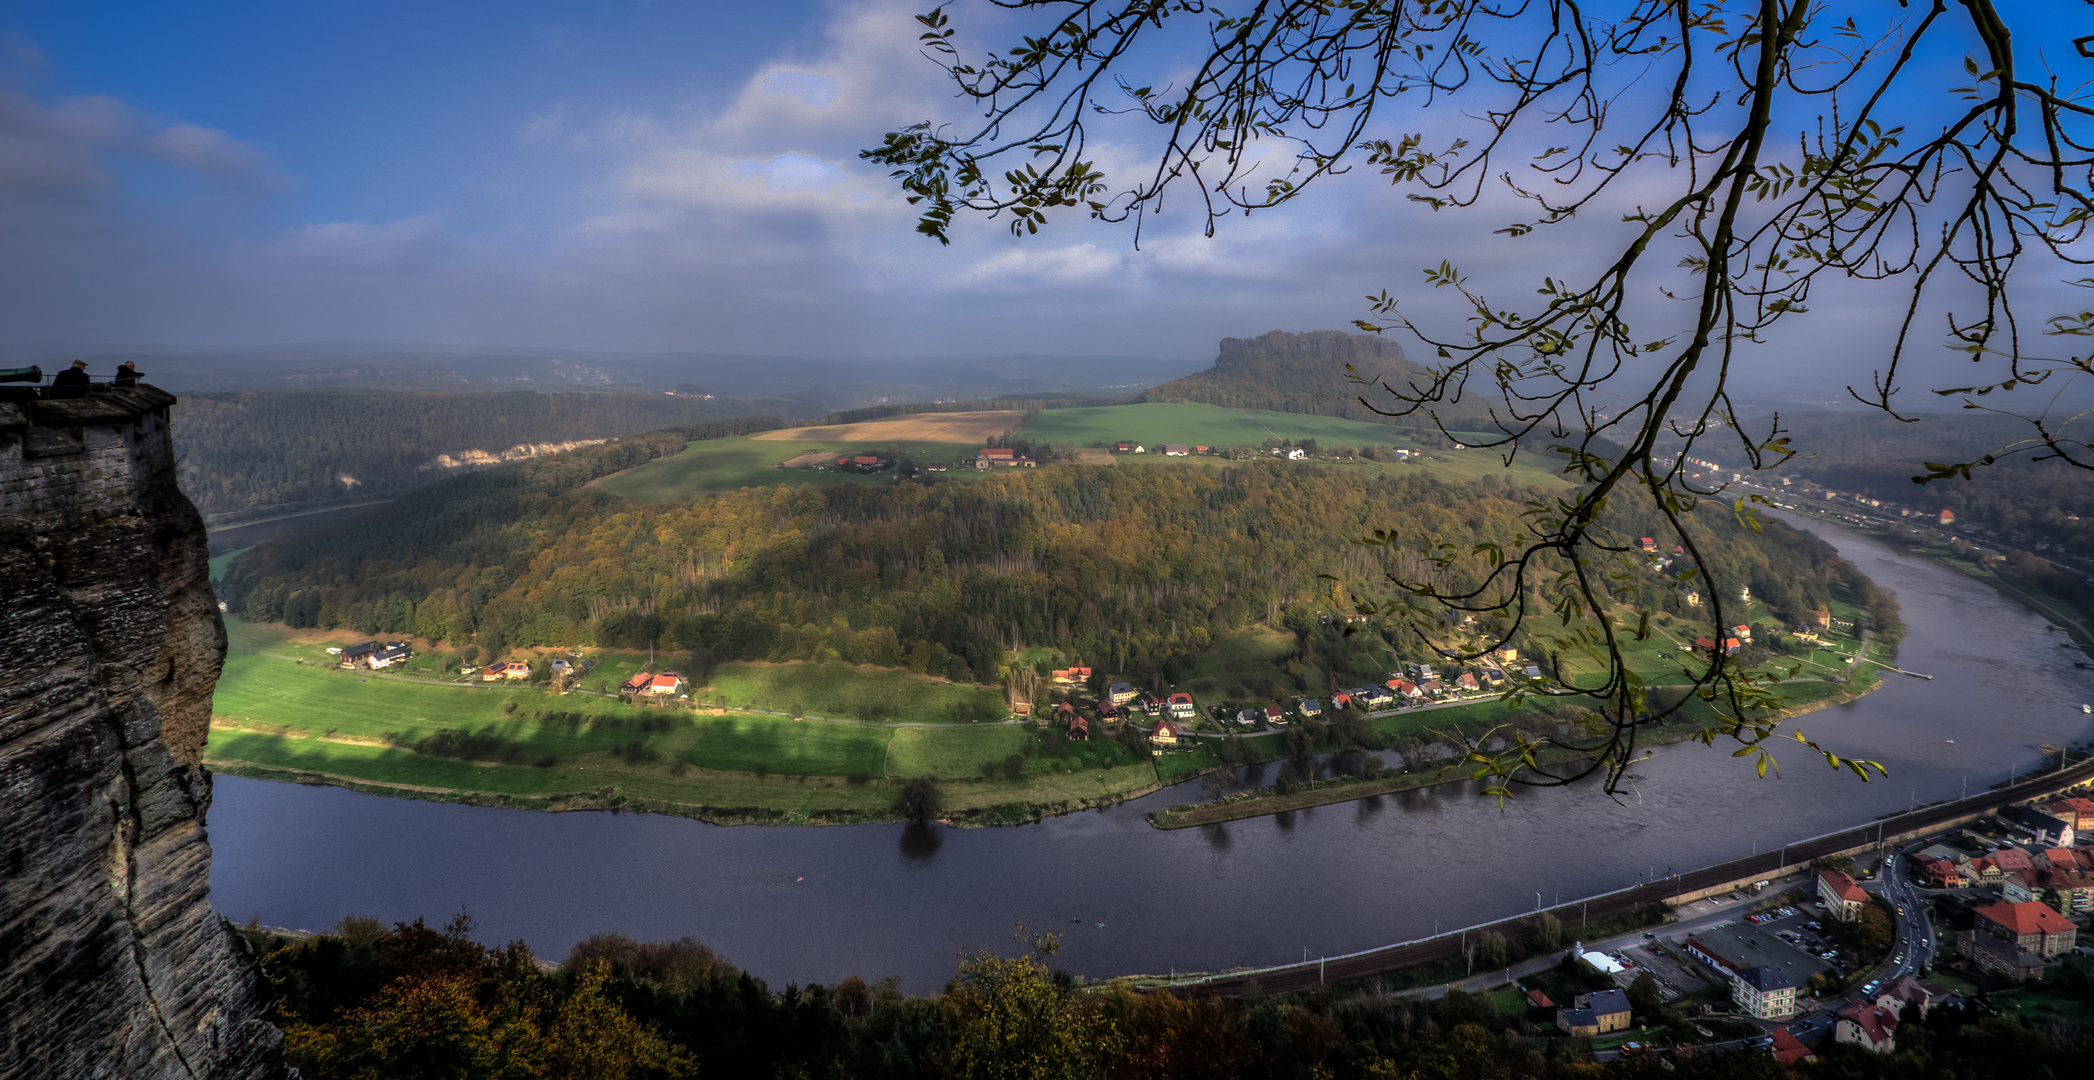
(411, 1001)
(1142, 571)
(276, 450)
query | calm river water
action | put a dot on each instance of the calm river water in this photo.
(817, 904)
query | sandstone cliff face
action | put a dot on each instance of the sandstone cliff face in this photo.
(112, 962)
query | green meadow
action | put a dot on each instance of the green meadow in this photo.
(284, 711)
(747, 461)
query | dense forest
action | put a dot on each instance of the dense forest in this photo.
(246, 454)
(1141, 570)
(410, 1001)
(1305, 373)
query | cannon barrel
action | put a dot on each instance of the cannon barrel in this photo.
(32, 373)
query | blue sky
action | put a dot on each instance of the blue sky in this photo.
(608, 175)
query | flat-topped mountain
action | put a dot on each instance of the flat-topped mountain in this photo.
(1297, 373)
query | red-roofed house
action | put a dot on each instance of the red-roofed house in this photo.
(1538, 1000)
(1868, 1026)
(1943, 874)
(2079, 811)
(668, 682)
(2030, 925)
(2012, 859)
(1789, 1050)
(637, 683)
(2075, 890)
(1182, 707)
(1650, 544)
(1165, 734)
(515, 669)
(1842, 898)
(1079, 728)
(2058, 858)
(994, 456)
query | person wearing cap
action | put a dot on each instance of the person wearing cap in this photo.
(127, 374)
(72, 382)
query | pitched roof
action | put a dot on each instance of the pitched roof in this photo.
(2027, 917)
(1539, 1000)
(1843, 886)
(1788, 1049)
(1607, 1001)
(1877, 1024)
(2012, 859)
(1764, 979)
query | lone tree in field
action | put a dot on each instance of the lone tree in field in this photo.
(921, 798)
(1750, 150)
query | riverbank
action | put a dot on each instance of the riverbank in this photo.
(286, 712)
(1265, 802)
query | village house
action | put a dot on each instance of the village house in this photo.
(1942, 874)
(1789, 1050)
(1275, 716)
(1596, 1014)
(514, 669)
(2074, 888)
(1310, 708)
(1764, 993)
(352, 655)
(392, 652)
(637, 683)
(1121, 693)
(1150, 704)
(1182, 707)
(1068, 676)
(1468, 682)
(2077, 810)
(668, 682)
(995, 456)
(1164, 735)
(2049, 831)
(1176, 450)
(1867, 1025)
(1079, 728)
(1842, 898)
(2016, 939)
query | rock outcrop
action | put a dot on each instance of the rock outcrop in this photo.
(112, 961)
(1298, 373)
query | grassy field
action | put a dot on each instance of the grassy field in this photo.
(845, 691)
(750, 460)
(284, 711)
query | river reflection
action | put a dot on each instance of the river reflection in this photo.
(816, 904)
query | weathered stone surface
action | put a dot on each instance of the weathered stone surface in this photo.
(112, 962)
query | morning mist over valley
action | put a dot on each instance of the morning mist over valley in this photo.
(1043, 538)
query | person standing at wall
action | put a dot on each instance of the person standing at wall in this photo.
(72, 382)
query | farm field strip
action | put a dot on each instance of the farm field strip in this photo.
(751, 460)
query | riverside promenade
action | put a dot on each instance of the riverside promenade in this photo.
(1678, 888)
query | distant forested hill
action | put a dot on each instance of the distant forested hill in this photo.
(1872, 454)
(258, 452)
(1299, 373)
(1144, 570)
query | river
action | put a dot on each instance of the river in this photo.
(817, 904)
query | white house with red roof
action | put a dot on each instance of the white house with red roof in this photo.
(1843, 899)
(668, 682)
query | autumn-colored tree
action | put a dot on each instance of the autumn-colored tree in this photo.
(1010, 1021)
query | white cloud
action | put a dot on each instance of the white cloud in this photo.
(60, 149)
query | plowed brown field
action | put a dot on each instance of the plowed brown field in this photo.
(963, 427)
